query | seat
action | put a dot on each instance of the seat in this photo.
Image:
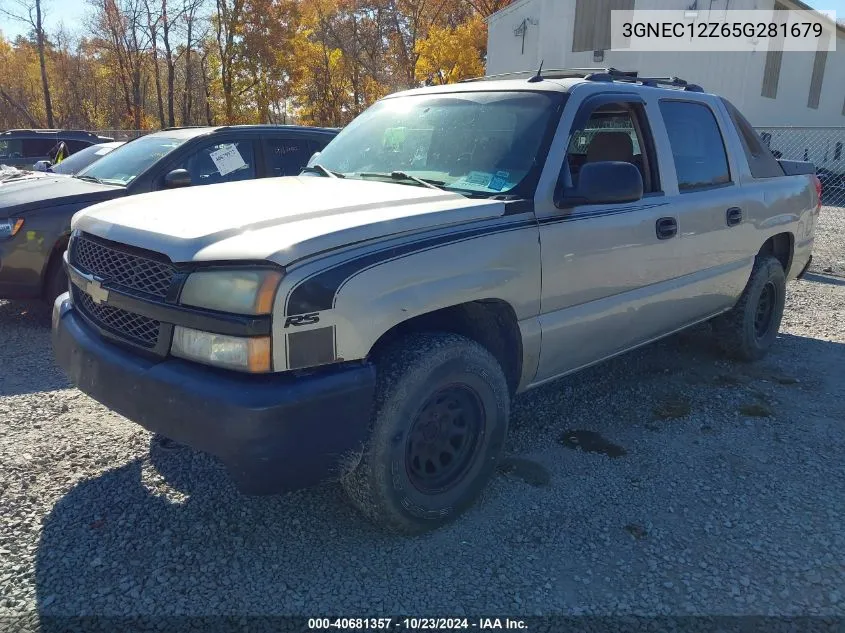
(611, 146)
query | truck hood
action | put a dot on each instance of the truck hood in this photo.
(276, 219)
(52, 190)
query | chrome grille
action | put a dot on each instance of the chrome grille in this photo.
(137, 329)
(121, 268)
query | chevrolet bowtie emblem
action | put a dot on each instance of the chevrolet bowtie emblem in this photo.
(96, 291)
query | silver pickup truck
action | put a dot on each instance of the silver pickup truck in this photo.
(370, 320)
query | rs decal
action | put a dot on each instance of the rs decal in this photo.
(302, 319)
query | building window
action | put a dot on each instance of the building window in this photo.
(837, 153)
(591, 31)
(817, 80)
(774, 61)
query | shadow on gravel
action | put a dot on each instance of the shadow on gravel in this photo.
(26, 354)
(170, 535)
(824, 279)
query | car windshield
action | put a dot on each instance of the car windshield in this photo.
(129, 161)
(476, 143)
(80, 160)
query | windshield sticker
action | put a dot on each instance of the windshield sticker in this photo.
(103, 151)
(499, 181)
(227, 160)
(394, 138)
(477, 178)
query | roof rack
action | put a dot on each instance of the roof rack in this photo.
(594, 74)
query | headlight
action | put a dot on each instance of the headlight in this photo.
(231, 352)
(238, 291)
(10, 227)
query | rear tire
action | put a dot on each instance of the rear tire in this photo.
(748, 331)
(439, 425)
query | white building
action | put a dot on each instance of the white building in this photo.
(771, 88)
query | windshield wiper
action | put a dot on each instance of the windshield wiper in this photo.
(90, 179)
(401, 175)
(323, 170)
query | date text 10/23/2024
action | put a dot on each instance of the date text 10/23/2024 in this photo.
(415, 624)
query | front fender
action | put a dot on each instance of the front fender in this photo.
(370, 301)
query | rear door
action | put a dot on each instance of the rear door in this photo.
(709, 202)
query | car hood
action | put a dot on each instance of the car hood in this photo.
(13, 176)
(52, 190)
(276, 219)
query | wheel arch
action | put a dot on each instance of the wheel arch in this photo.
(782, 247)
(490, 322)
(54, 259)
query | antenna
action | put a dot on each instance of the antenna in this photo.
(539, 75)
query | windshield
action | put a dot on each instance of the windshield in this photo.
(81, 159)
(479, 143)
(129, 161)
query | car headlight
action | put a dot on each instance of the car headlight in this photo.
(230, 352)
(10, 227)
(237, 291)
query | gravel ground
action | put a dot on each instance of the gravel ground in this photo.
(718, 489)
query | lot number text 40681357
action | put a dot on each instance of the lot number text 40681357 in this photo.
(415, 624)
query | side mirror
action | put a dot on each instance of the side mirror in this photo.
(606, 182)
(177, 178)
(43, 165)
(313, 158)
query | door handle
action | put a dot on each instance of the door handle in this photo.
(667, 228)
(733, 216)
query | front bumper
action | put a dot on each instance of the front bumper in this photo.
(274, 433)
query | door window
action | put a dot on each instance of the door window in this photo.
(221, 162)
(287, 156)
(613, 133)
(697, 145)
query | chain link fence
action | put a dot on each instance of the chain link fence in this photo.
(822, 146)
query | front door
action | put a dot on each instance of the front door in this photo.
(602, 263)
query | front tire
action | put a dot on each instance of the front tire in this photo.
(57, 281)
(749, 330)
(439, 425)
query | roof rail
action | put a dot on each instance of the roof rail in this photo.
(595, 74)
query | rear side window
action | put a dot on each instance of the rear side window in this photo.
(287, 156)
(760, 159)
(38, 147)
(697, 145)
(76, 146)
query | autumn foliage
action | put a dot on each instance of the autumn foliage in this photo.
(143, 64)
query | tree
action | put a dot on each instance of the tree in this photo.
(227, 24)
(449, 55)
(29, 12)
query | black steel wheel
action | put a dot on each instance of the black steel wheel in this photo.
(748, 331)
(439, 425)
(443, 439)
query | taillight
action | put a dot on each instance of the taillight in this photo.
(818, 192)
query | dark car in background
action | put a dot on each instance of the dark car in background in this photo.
(24, 148)
(35, 214)
(71, 165)
(75, 163)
